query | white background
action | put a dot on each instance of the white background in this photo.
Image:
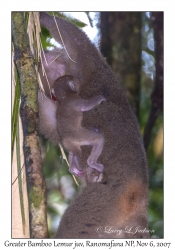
(5, 97)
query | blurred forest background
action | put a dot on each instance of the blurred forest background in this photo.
(132, 43)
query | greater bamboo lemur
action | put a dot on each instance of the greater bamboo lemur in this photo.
(115, 207)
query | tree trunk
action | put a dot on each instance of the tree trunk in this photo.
(29, 113)
(157, 95)
(121, 46)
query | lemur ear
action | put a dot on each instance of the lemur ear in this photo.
(72, 86)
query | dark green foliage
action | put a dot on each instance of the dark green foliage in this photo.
(45, 42)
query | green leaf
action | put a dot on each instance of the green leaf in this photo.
(15, 110)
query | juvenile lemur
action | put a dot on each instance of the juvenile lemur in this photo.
(69, 118)
(115, 207)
